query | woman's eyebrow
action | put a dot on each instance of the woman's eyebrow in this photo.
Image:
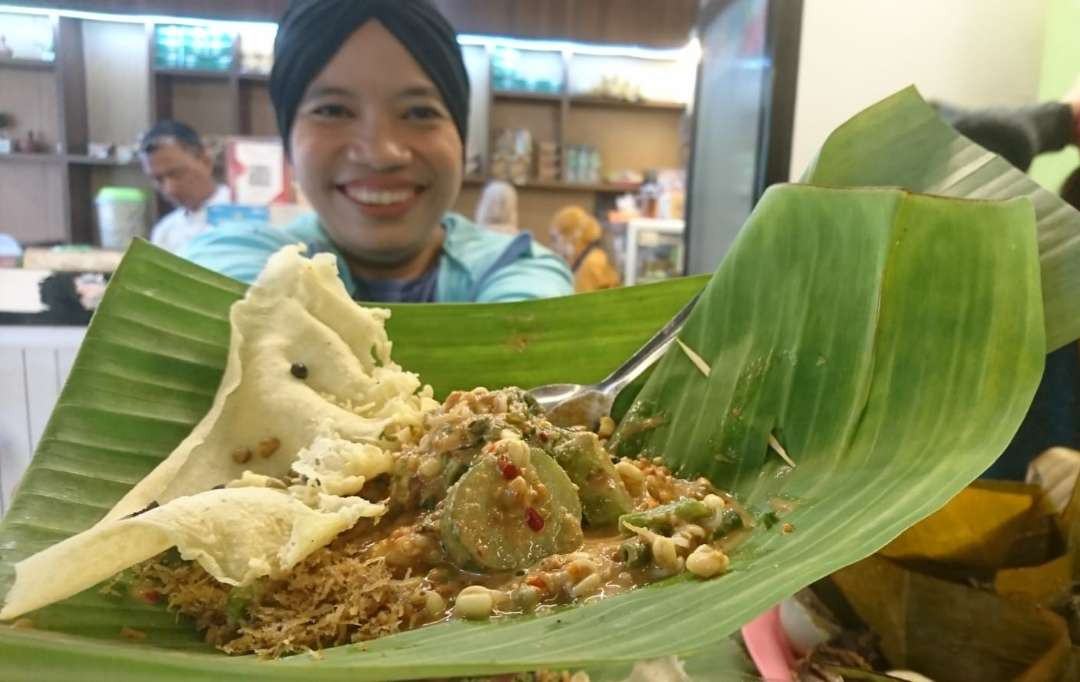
(418, 91)
(327, 91)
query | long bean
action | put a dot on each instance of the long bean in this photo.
(662, 519)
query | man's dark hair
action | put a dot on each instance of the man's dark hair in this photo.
(171, 132)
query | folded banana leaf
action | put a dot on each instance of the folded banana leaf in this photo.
(902, 142)
(890, 341)
(954, 632)
(989, 526)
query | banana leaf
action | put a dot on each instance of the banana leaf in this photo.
(902, 142)
(891, 341)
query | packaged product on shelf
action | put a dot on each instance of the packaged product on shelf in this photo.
(513, 156)
(547, 161)
(473, 164)
(582, 163)
(193, 47)
(618, 87)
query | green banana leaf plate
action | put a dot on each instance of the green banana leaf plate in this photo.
(890, 341)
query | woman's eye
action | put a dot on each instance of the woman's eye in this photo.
(331, 111)
(422, 113)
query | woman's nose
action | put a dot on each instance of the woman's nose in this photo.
(374, 142)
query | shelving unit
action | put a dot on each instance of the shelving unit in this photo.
(85, 160)
(629, 135)
(198, 74)
(564, 186)
(526, 96)
(28, 64)
(104, 87)
(24, 157)
(609, 102)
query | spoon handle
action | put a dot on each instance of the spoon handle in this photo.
(648, 354)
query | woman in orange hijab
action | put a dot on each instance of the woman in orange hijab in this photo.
(576, 235)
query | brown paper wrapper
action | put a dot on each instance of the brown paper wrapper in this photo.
(981, 590)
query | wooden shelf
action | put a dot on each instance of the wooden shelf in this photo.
(595, 101)
(84, 160)
(585, 100)
(562, 185)
(527, 96)
(202, 74)
(29, 64)
(22, 157)
(214, 74)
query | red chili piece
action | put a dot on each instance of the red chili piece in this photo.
(537, 582)
(150, 596)
(509, 471)
(534, 520)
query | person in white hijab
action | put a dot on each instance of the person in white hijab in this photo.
(497, 209)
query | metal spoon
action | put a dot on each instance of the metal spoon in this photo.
(577, 404)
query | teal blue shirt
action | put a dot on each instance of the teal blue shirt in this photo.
(476, 265)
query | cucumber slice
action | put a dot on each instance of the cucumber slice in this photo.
(484, 527)
(604, 498)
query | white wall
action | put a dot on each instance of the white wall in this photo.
(854, 52)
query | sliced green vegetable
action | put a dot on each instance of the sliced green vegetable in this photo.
(728, 522)
(486, 527)
(635, 552)
(603, 496)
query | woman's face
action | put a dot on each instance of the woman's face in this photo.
(376, 152)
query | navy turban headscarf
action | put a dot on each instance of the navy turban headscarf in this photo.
(312, 31)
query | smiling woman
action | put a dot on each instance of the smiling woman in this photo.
(378, 155)
(371, 100)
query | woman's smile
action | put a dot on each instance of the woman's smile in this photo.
(382, 198)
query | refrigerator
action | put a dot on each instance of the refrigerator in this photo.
(744, 109)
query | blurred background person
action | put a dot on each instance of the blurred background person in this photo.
(576, 235)
(1019, 135)
(498, 208)
(176, 160)
(1055, 412)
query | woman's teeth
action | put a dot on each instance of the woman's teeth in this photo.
(379, 197)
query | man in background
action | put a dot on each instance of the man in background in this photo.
(175, 158)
